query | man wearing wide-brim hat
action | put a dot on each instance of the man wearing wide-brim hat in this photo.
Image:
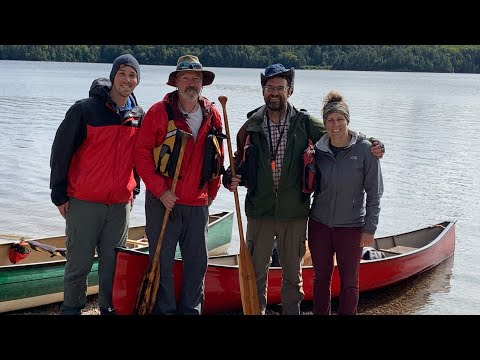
(190, 63)
(187, 110)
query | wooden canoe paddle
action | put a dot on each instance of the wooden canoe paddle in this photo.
(147, 292)
(246, 274)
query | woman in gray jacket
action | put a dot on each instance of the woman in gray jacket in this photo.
(345, 209)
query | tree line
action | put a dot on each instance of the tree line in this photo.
(413, 58)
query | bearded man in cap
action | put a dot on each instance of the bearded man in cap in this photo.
(184, 109)
(275, 206)
(93, 181)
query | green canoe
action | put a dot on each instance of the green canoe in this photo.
(38, 279)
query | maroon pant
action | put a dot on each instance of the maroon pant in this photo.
(324, 243)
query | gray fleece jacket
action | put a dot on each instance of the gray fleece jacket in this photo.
(349, 186)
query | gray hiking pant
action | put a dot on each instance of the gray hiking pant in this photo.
(92, 226)
(187, 225)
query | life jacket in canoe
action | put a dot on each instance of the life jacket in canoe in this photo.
(166, 155)
(369, 253)
(18, 252)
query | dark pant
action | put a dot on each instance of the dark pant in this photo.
(325, 243)
(187, 225)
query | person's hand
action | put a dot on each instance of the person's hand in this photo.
(366, 240)
(131, 203)
(168, 199)
(378, 149)
(235, 182)
(63, 209)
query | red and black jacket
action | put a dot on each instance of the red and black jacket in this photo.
(92, 153)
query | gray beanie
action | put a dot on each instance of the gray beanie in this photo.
(125, 59)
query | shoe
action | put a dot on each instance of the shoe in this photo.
(108, 311)
(68, 310)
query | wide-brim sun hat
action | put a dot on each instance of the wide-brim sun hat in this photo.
(277, 70)
(190, 63)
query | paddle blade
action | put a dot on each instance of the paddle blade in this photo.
(147, 291)
(248, 284)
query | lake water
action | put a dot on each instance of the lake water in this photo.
(428, 122)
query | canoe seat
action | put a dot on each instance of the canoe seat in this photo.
(398, 250)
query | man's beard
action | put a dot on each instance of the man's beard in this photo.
(277, 105)
(191, 93)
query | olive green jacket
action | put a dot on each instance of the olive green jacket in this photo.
(289, 202)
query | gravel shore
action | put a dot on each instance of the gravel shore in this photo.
(374, 303)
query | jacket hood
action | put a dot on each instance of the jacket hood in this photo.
(100, 87)
(323, 144)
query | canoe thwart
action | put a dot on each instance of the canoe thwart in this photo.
(137, 242)
(54, 251)
(399, 249)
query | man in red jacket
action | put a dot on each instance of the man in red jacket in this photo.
(93, 182)
(184, 109)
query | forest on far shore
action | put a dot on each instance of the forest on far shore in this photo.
(413, 58)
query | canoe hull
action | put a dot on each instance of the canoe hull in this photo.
(222, 291)
(38, 279)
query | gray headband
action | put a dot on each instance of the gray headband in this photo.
(336, 106)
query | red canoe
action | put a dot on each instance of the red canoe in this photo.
(406, 255)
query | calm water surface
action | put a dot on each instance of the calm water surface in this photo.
(429, 123)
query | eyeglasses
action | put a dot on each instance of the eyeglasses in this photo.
(271, 88)
(189, 65)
